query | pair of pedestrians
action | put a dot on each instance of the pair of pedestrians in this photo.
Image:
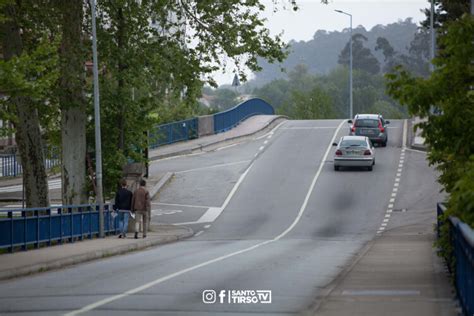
(138, 203)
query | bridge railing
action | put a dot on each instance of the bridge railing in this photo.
(23, 228)
(173, 132)
(461, 238)
(10, 165)
(228, 119)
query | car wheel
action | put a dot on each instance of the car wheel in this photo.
(384, 144)
(373, 162)
(336, 168)
(370, 168)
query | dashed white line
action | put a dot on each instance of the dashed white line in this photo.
(397, 179)
(399, 174)
(181, 205)
(388, 212)
(390, 206)
(383, 224)
(199, 233)
(207, 226)
(385, 220)
(399, 169)
(261, 148)
(394, 194)
(396, 184)
(392, 200)
(162, 279)
(395, 189)
(387, 215)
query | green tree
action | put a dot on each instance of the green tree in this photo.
(315, 104)
(362, 57)
(450, 134)
(27, 76)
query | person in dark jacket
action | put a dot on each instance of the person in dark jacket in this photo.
(123, 204)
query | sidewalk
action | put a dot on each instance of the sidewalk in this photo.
(55, 257)
(249, 127)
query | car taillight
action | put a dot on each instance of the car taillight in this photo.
(353, 129)
(381, 127)
(367, 153)
(338, 153)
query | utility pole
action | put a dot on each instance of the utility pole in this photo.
(351, 114)
(432, 33)
(98, 144)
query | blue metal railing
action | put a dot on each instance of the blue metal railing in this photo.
(226, 120)
(10, 165)
(42, 226)
(462, 242)
(173, 132)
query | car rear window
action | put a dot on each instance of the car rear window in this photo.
(353, 143)
(367, 123)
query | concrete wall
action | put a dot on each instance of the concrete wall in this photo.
(205, 125)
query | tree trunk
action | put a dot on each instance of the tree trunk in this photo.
(73, 104)
(27, 125)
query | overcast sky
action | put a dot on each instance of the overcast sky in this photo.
(313, 15)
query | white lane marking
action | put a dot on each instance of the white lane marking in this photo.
(389, 211)
(396, 184)
(206, 263)
(405, 130)
(179, 156)
(383, 224)
(417, 151)
(265, 142)
(395, 189)
(402, 160)
(387, 215)
(392, 200)
(382, 228)
(214, 166)
(198, 233)
(390, 206)
(399, 174)
(181, 205)
(399, 169)
(397, 179)
(213, 213)
(228, 146)
(303, 128)
(270, 136)
(52, 184)
(207, 226)
(386, 220)
(261, 148)
(400, 165)
(256, 154)
(394, 194)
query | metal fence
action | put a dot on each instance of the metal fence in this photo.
(224, 121)
(21, 228)
(173, 132)
(462, 243)
(10, 165)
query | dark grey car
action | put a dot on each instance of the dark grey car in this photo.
(372, 126)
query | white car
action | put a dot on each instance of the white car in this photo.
(354, 151)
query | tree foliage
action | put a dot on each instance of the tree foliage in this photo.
(448, 131)
(362, 57)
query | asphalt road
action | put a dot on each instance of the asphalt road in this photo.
(269, 214)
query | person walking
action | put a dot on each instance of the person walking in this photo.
(141, 206)
(123, 205)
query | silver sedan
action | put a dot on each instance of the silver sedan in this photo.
(354, 151)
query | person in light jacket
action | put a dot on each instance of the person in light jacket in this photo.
(141, 206)
(123, 205)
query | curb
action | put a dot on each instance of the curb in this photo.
(201, 147)
(58, 264)
(163, 181)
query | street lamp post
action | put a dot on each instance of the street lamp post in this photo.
(350, 66)
(98, 144)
